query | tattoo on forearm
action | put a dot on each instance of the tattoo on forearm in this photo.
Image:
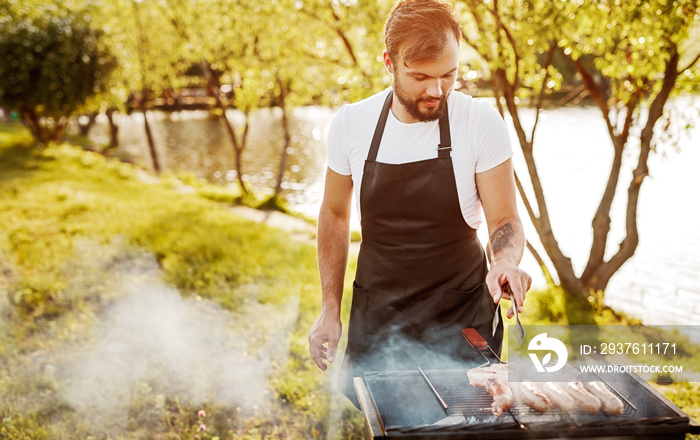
(500, 240)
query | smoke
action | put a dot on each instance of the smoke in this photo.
(151, 344)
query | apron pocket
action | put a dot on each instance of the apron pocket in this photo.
(358, 317)
(470, 309)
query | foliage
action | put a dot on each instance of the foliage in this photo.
(343, 54)
(630, 41)
(513, 41)
(246, 53)
(685, 395)
(148, 49)
(50, 65)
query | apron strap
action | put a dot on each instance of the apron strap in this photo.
(379, 130)
(444, 148)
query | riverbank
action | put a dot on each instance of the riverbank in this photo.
(128, 304)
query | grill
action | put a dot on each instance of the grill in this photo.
(442, 404)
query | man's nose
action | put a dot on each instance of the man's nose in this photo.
(434, 89)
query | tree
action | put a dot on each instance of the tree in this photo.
(349, 36)
(283, 54)
(150, 58)
(220, 37)
(635, 53)
(340, 59)
(143, 95)
(331, 53)
(50, 64)
(639, 60)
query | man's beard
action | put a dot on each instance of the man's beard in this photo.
(430, 114)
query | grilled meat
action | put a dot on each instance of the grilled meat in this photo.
(531, 396)
(610, 404)
(558, 396)
(502, 395)
(582, 398)
(495, 379)
(541, 397)
(479, 376)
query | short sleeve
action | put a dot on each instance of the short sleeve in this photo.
(493, 141)
(336, 145)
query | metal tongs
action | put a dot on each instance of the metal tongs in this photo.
(518, 331)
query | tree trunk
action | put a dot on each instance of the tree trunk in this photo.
(287, 138)
(601, 220)
(113, 128)
(149, 135)
(238, 147)
(50, 130)
(144, 89)
(540, 219)
(57, 131)
(628, 246)
(238, 150)
(31, 121)
(540, 262)
(579, 310)
(84, 129)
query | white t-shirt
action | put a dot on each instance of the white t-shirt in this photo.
(480, 142)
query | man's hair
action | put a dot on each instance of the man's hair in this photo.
(416, 30)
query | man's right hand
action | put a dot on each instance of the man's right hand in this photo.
(333, 241)
(326, 330)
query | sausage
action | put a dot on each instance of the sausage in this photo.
(533, 397)
(610, 404)
(582, 398)
(502, 395)
(495, 379)
(479, 376)
(498, 368)
(559, 398)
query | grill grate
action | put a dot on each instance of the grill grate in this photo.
(475, 403)
(462, 398)
(419, 408)
(404, 404)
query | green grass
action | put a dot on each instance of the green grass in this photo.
(78, 231)
(74, 223)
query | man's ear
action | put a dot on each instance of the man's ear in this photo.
(388, 63)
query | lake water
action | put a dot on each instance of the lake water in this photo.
(660, 284)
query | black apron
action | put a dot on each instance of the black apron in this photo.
(420, 271)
